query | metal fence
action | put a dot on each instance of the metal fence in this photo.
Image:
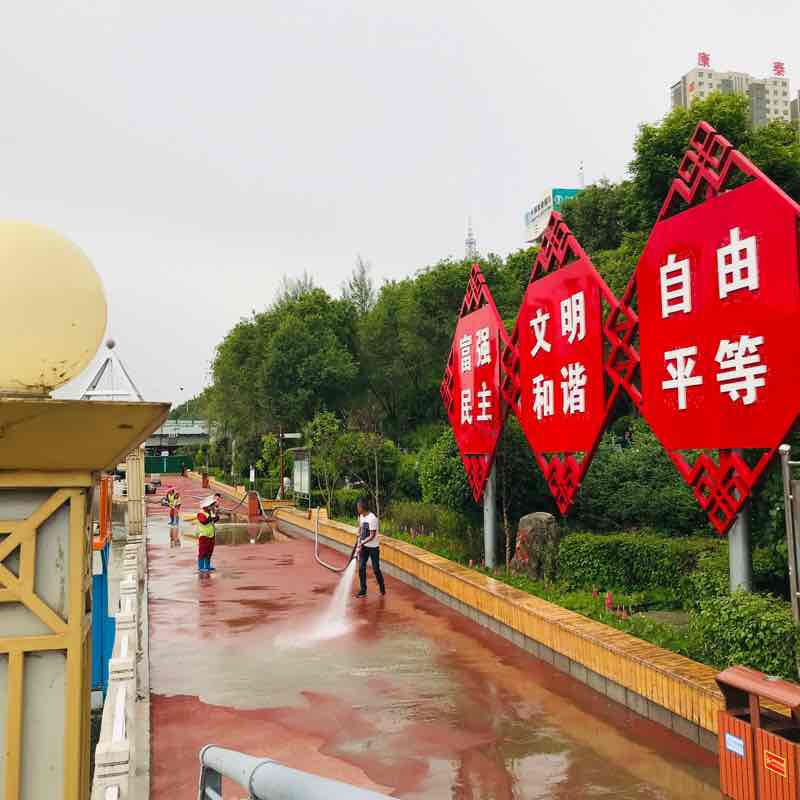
(265, 779)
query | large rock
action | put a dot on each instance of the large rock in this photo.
(536, 554)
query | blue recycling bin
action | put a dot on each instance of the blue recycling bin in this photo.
(104, 627)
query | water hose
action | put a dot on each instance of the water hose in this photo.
(316, 551)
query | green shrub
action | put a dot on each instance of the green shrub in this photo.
(708, 580)
(636, 486)
(450, 529)
(426, 518)
(344, 501)
(711, 577)
(630, 562)
(749, 629)
(448, 548)
(442, 477)
(771, 570)
(406, 482)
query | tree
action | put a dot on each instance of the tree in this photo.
(616, 266)
(324, 436)
(442, 476)
(359, 288)
(276, 369)
(291, 289)
(372, 460)
(601, 214)
(659, 148)
(194, 408)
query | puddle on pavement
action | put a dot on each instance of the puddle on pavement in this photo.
(227, 533)
(232, 533)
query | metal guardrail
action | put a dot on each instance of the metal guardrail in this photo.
(791, 507)
(265, 779)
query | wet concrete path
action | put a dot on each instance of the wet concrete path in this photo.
(415, 700)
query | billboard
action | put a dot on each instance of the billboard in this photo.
(537, 217)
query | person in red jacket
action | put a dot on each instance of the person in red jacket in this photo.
(206, 518)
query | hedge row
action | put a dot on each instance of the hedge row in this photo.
(630, 562)
(344, 501)
(754, 630)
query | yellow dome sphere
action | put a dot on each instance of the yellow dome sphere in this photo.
(53, 309)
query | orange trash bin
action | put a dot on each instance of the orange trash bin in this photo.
(759, 745)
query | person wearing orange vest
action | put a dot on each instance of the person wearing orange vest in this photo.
(206, 518)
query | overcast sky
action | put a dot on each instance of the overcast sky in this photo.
(197, 152)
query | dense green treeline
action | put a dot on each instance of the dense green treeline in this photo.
(373, 356)
(358, 374)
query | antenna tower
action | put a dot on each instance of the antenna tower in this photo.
(470, 243)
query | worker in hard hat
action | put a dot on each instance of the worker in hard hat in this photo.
(174, 505)
(206, 518)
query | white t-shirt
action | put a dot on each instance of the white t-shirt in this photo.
(372, 521)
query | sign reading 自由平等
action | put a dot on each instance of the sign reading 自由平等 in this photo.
(717, 295)
(554, 368)
(716, 298)
(471, 386)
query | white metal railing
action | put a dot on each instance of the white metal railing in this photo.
(265, 779)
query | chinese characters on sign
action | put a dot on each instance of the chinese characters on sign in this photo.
(479, 385)
(554, 368)
(471, 388)
(703, 341)
(712, 329)
(703, 60)
(778, 69)
(561, 361)
(739, 361)
(714, 300)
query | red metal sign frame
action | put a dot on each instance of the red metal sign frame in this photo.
(720, 477)
(477, 465)
(563, 470)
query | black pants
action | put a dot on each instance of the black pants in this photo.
(368, 553)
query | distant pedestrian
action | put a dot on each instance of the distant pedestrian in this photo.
(368, 548)
(206, 518)
(174, 505)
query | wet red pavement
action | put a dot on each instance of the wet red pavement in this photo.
(415, 700)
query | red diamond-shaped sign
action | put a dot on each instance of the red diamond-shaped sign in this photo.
(471, 386)
(715, 300)
(554, 367)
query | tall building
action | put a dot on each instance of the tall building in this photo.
(769, 97)
(794, 107)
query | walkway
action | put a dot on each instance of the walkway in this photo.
(415, 701)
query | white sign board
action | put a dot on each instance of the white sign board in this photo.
(302, 474)
(734, 744)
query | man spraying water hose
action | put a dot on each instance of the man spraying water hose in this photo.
(206, 518)
(368, 547)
